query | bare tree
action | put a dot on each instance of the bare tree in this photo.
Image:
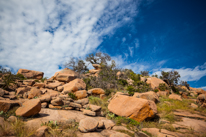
(98, 58)
(77, 65)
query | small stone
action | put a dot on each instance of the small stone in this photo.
(44, 104)
(57, 102)
(194, 105)
(12, 119)
(51, 106)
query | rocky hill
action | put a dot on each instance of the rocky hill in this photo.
(73, 104)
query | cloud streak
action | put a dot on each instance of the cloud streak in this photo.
(41, 35)
(187, 74)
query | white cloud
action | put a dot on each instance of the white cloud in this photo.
(187, 74)
(204, 88)
(42, 34)
(136, 42)
(131, 51)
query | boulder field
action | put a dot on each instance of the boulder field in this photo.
(64, 99)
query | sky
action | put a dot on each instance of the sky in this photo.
(152, 35)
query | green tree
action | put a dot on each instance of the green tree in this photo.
(171, 77)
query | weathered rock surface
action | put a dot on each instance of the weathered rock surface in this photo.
(39, 85)
(150, 95)
(54, 85)
(29, 108)
(96, 91)
(34, 92)
(57, 102)
(74, 85)
(184, 113)
(162, 133)
(31, 73)
(81, 94)
(135, 108)
(88, 124)
(65, 75)
(154, 82)
(197, 125)
(28, 82)
(118, 134)
(175, 97)
(89, 112)
(5, 105)
(22, 90)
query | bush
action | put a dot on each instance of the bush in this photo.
(72, 95)
(156, 90)
(122, 82)
(162, 87)
(109, 91)
(131, 90)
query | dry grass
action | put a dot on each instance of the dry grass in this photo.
(16, 128)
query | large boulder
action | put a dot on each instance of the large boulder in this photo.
(136, 108)
(88, 124)
(65, 75)
(96, 91)
(31, 74)
(150, 95)
(154, 82)
(74, 85)
(29, 108)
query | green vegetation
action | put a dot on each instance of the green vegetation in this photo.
(162, 87)
(72, 95)
(171, 78)
(9, 113)
(8, 78)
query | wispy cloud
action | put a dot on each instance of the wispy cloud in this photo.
(41, 35)
(187, 74)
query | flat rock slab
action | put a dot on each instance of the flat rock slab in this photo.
(46, 115)
(162, 133)
(197, 125)
(183, 113)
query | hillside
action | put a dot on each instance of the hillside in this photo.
(103, 101)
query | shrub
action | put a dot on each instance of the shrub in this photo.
(156, 90)
(109, 91)
(43, 79)
(131, 90)
(122, 82)
(98, 58)
(72, 95)
(162, 87)
(95, 100)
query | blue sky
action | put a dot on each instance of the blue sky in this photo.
(151, 35)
